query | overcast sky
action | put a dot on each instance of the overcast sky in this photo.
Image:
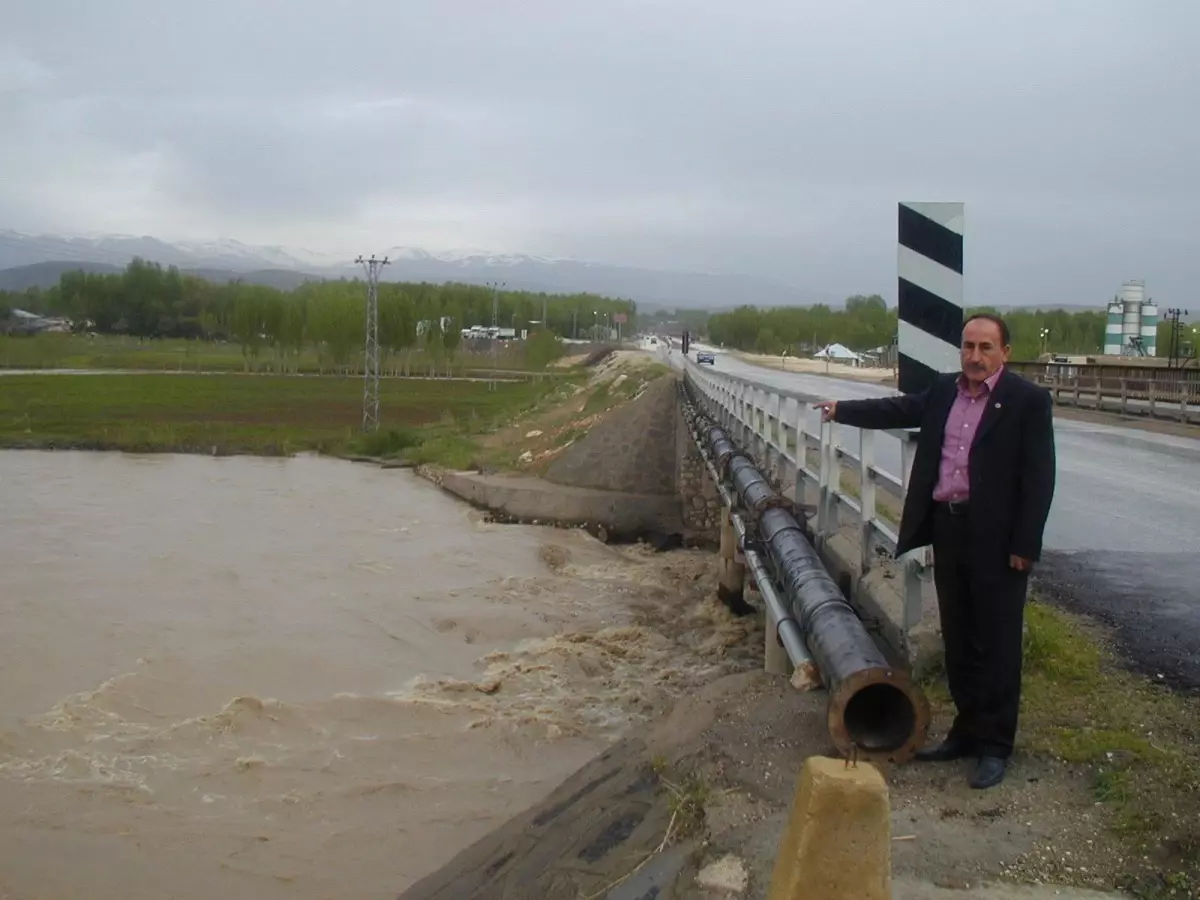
(770, 137)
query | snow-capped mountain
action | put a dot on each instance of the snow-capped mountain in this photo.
(230, 250)
(471, 256)
(117, 249)
(284, 266)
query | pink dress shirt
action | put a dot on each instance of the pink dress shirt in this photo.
(962, 424)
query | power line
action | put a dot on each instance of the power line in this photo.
(370, 420)
(1174, 353)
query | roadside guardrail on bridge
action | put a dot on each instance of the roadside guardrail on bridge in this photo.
(772, 425)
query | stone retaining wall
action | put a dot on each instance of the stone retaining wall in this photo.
(701, 505)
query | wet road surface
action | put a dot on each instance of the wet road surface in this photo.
(1148, 599)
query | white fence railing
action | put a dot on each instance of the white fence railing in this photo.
(772, 425)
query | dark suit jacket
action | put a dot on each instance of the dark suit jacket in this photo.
(1011, 464)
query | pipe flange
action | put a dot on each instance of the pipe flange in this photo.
(724, 452)
(878, 713)
(773, 501)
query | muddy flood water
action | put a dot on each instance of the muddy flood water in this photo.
(304, 678)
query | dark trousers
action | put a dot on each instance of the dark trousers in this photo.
(982, 604)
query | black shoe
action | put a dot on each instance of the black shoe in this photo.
(988, 773)
(950, 749)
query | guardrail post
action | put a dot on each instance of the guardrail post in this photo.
(740, 415)
(762, 430)
(918, 560)
(1153, 394)
(828, 483)
(732, 574)
(747, 415)
(751, 422)
(913, 594)
(800, 490)
(754, 440)
(906, 458)
(866, 489)
(776, 442)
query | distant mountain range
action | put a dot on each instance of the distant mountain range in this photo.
(47, 274)
(38, 260)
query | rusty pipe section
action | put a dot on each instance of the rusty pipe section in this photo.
(874, 709)
(752, 487)
(721, 448)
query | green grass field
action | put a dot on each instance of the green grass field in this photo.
(72, 351)
(431, 420)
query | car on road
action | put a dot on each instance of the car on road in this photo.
(706, 356)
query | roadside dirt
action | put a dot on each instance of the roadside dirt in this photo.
(534, 441)
(1040, 826)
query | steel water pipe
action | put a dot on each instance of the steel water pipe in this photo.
(874, 710)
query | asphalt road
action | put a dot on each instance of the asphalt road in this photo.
(1123, 539)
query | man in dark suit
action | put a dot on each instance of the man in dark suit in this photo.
(980, 490)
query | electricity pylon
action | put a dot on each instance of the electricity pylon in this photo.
(370, 419)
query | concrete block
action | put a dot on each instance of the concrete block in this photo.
(837, 845)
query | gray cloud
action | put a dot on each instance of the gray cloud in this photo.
(770, 138)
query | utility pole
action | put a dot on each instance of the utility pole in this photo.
(495, 329)
(1173, 316)
(370, 420)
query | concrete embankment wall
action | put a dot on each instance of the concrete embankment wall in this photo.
(631, 450)
(635, 473)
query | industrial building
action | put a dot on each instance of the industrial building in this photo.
(1132, 327)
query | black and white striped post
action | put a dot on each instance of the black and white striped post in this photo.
(930, 295)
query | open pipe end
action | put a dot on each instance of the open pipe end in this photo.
(880, 712)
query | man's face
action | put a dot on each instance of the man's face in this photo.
(983, 351)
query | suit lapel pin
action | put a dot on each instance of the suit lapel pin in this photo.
(997, 406)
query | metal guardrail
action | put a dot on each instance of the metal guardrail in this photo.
(1177, 400)
(771, 425)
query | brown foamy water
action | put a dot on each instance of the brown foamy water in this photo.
(303, 678)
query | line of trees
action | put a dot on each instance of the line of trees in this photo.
(150, 301)
(866, 323)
